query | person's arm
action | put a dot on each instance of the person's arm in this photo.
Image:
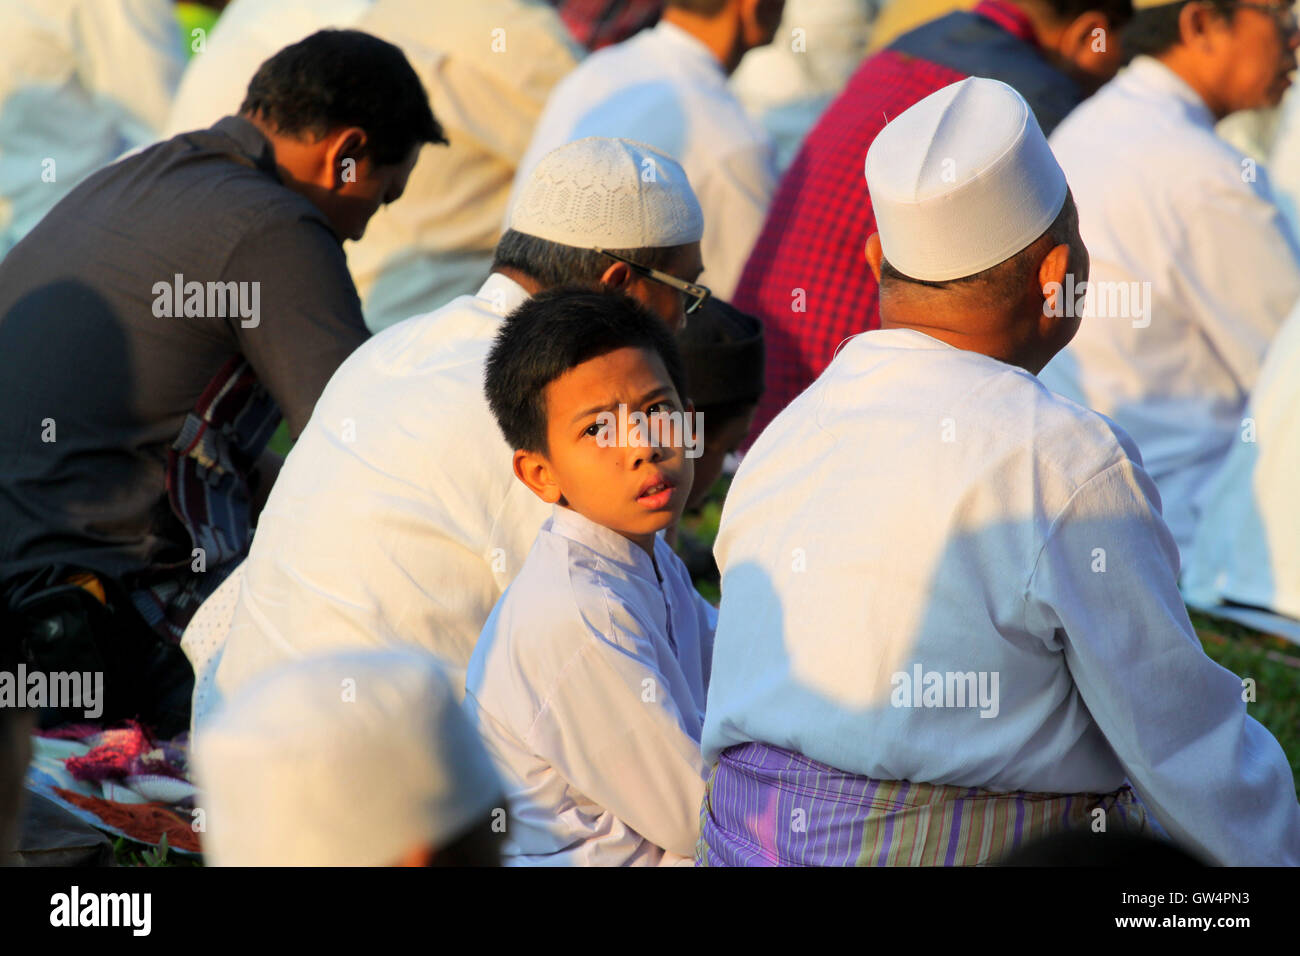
(1241, 272)
(308, 315)
(611, 730)
(1104, 587)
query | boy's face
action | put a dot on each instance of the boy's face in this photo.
(624, 482)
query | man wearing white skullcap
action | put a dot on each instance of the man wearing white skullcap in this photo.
(964, 629)
(667, 86)
(398, 519)
(1195, 267)
(355, 759)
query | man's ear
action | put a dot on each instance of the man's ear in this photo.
(1080, 39)
(875, 255)
(534, 471)
(618, 276)
(343, 155)
(1051, 283)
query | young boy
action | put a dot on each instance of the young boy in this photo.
(589, 680)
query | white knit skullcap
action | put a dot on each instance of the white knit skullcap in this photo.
(614, 193)
(351, 759)
(962, 181)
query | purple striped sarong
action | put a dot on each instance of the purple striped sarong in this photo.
(764, 806)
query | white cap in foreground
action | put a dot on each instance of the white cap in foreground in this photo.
(351, 759)
(962, 181)
(613, 193)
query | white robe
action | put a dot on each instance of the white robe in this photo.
(1163, 200)
(1247, 546)
(486, 88)
(82, 82)
(588, 688)
(922, 510)
(397, 517)
(663, 87)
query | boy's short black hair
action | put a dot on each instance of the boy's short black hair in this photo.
(339, 78)
(558, 330)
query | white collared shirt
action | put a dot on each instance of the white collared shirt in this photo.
(83, 82)
(941, 513)
(397, 517)
(588, 688)
(1247, 545)
(663, 87)
(1163, 200)
(487, 67)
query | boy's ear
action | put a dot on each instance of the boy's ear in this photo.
(535, 471)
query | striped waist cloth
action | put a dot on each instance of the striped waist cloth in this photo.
(764, 806)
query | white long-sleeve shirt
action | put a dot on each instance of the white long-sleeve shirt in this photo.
(922, 510)
(487, 67)
(588, 688)
(1247, 545)
(665, 88)
(82, 82)
(1163, 200)
(397, 517)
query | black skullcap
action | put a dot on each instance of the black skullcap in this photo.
(722, 351)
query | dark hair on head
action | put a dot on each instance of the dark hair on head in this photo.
(558, 330)
(1157, 30)
(1118, 12)
(553, 264)
(337, 78)
(704, 8)
(1012, 273)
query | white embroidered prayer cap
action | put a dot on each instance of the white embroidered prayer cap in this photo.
(613, 193)
(349, 759)
(962, 181)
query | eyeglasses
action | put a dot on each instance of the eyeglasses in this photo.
(696, 295)
(1284, 16)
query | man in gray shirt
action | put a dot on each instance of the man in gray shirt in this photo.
(157, 324)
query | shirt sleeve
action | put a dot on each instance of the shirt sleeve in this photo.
(734, 194)
(308, 317)
(612, 731)
(1103, 590)
(1244, 280)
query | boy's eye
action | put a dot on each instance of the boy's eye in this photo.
(659, 408)
(593, 429)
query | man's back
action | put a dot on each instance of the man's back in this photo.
(110, 347)
(1002, 613)
(397, 517)
(663, 87)
(807, 277)
(1193, 271)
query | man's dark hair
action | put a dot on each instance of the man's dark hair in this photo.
(558, 330)
(1011, 273)
(1118, 12)
(339, 78)
(1156, 31)
(553, 264)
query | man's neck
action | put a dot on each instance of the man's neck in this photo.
(995, 346)
(719, 34)
(1185, 66)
